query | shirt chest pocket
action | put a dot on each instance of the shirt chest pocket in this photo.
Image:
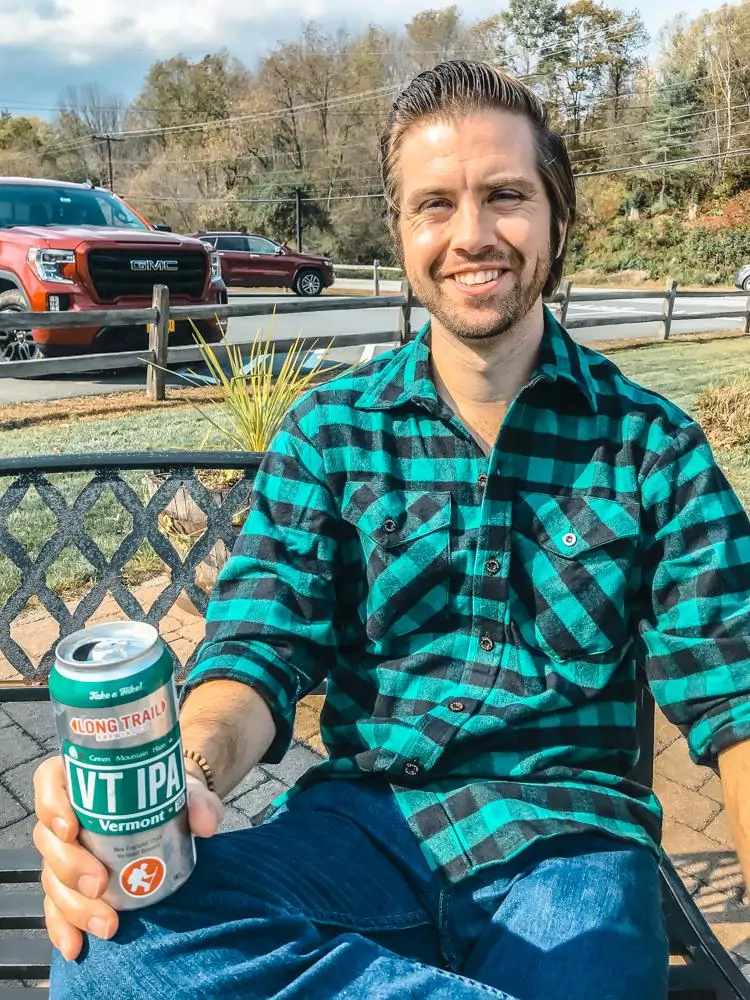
(404, 537)
(571, 567)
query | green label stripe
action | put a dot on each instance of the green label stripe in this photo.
(112, 755)
(101, 694)
(126, 798)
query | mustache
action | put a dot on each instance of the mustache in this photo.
(506, 261)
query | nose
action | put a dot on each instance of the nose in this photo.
(473, 229)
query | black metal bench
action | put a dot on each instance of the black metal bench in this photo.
(700, 969)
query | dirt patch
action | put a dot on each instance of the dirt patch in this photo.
(16, 415)
(613, 346)
(633, 281)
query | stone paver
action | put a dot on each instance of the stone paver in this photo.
(16, 746)
(11, 810)
(684, 805)
(19, 782)
(298, 760)
(35, 718)
(254, 804)
(674, 762)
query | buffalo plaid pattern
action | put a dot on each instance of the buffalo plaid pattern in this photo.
(480, 622)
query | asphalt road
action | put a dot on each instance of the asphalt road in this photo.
(326, 325)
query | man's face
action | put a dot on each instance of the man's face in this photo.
(475, 220)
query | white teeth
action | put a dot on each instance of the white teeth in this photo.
(476, 277)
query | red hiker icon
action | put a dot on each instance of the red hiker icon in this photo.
(143, 876)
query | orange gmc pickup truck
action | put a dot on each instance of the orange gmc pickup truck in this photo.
(75, 247)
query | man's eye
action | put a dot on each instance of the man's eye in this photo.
(435, 203)
(503, 195)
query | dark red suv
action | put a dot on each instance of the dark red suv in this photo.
(251, 261)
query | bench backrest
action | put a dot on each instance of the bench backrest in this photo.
(77, 530)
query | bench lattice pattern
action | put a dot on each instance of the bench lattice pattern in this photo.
(102, 515)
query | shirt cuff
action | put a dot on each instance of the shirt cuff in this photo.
(282, 712)
(718, 731)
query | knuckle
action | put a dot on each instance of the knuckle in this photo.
(37, 836)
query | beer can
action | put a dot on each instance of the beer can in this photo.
(113, 693)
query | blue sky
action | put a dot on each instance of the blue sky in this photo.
(48, 45)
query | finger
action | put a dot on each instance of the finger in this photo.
(72, 864)
(64, 936)
(205, 809)
(90, 915)
(51, 800)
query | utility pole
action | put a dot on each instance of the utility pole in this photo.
(109, 139)
(298, 201)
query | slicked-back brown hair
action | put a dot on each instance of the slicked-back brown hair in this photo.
(457, 88)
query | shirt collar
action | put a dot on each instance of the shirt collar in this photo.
(407, 377)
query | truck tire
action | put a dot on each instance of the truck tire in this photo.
(308, 282)
(16, 345)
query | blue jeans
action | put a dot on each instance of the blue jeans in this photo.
(332, 898)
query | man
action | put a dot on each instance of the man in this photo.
(478, 540)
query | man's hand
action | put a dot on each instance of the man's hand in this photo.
(734, 768)
(72, 878)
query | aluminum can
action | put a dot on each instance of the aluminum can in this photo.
(113, 693)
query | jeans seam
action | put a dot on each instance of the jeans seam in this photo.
(414, 918)
(446, 947)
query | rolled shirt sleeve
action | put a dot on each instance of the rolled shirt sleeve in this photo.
(270, 620)
(694, 635)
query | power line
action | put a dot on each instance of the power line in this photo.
(659, 165)
(245, 201)
(380, 92)
(686, 136)
(745, 151)
(367, 95)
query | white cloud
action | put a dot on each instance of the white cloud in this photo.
(88, 28)
(46, 45)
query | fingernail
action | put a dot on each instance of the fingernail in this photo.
(88, 886)
(59, 828)
(98, 927)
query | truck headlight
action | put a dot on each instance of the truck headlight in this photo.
(215, 267)
(48, 264)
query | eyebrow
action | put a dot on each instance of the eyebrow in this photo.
(522, 184)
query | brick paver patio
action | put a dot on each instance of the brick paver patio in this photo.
(696, 833)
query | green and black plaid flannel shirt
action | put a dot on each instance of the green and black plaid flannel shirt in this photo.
(480, 622)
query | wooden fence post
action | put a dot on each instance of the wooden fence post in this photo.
(746, 327)
(669, 300)
(404, 323)
(376, 277)
(566, 287)
(158, 343)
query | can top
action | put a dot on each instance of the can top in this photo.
(108, 645)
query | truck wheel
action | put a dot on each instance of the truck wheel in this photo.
(746, 284)
(16, 345)
(308, 282)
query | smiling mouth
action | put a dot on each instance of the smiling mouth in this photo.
(474, 278)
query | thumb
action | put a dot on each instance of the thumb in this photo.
(205, 809)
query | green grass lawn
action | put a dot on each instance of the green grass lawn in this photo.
(680, 371)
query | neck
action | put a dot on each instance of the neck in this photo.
(479, 379)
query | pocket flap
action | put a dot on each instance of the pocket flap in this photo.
(395, 517)
(572, 525)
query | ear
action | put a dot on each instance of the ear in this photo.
(563, 227)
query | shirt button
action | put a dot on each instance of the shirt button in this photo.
(411, 769)
(570, 539)
(482, 481)
(456, 706)
(492, 566)
(390, 526)
(487, 643)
